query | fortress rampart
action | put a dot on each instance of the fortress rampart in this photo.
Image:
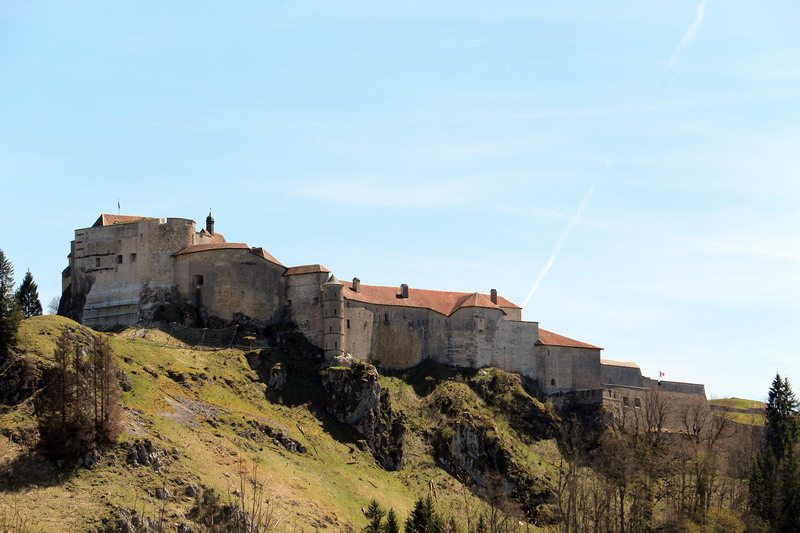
(126, 269)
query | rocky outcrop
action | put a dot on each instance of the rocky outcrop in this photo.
(20, 377)
(354, 396)
(469, 444)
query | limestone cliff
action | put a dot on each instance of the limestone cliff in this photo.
(354, 396)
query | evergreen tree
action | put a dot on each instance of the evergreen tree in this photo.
(10, 314)
(28, 296)
(375, 514)
(774, 488)
(424, 518)
(781, 413)
(391, 525)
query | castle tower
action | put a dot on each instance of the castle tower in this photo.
(333, 317)
(210, 223)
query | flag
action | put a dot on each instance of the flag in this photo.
(660, 374)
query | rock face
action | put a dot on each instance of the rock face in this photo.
(469, 445)
(354, 396)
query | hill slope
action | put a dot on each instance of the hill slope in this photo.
(198, 420)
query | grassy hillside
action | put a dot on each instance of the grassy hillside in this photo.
(749, 412)
(212, 422)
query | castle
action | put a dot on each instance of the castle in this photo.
(125, 269)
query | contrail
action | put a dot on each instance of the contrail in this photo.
(560, 244)
(690, 34)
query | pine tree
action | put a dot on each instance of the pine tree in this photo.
(781, 413)
(391, 525)
(28, 296)
(424, 518)
(10, 314)
(774, 488)
(375, 514)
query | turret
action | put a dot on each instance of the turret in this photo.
(210, 223)
(333, 317)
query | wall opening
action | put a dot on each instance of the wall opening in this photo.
(197, 280)
(96, 261)
(316, 301)
(119, 259)
(348, 323)
(553, 382)
(133, 258)
(637, 402)
(625, 401)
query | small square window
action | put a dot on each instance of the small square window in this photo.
(133, 258)
(119, 259)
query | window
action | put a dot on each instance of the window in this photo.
(316, 301)
(133, 258)
(119, 259)
(625, 401)
(197, 280)
(288, 302)
(553, 382)
(97, 261)
(637, 402)
(348, 324)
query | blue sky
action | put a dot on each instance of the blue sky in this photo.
(647, 153)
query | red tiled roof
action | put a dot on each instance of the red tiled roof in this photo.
(110, 220)
(305, 269)
(213, 246)
(259, 252)
(217, 237)
(477, 300)
(549, 338)
(263, 254)
(444, 302)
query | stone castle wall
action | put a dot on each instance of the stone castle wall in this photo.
(303, 299)
(233, 281)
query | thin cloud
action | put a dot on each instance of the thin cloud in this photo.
(690, 35)
(560, 244)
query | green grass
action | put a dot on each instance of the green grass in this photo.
(738, 403)
(326, 486)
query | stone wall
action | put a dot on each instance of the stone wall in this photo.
(228, 281)
(304, 303)
(401, 337)
(624, 374)
(562, 368)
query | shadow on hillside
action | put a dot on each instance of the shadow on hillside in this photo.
(424, 377)
(303, 387)
(31, 470)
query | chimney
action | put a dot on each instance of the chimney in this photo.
(404, 290)
(356, 285)
(210, 223)
(494, 296)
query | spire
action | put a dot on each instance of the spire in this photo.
(210, 222)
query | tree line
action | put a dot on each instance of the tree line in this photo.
(15, 305)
